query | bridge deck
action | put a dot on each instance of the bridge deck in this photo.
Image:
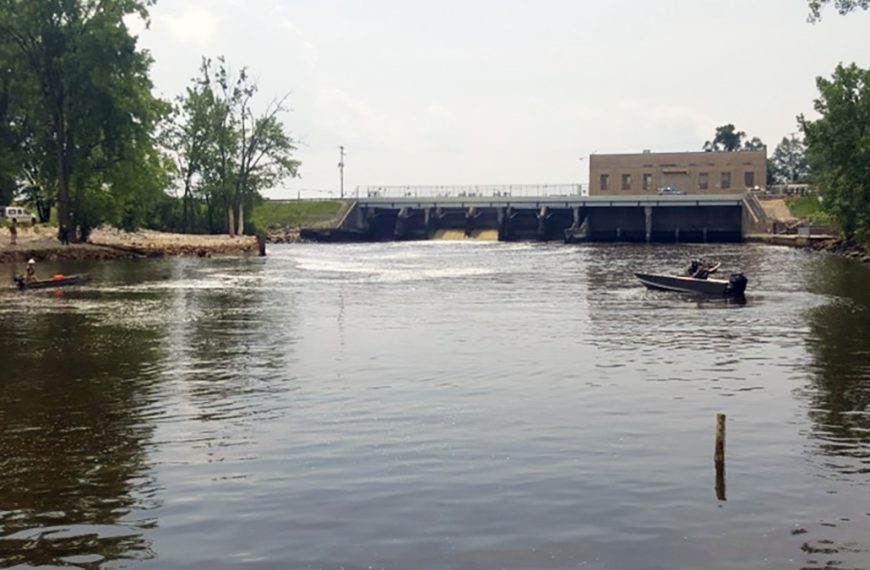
(536, 202)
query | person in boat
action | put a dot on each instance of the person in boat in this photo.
(699, 269)
(30, 275)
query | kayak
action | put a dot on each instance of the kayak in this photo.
(55, 281)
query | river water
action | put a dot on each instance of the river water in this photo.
(436, 405)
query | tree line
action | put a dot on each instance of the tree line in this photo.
(833, 151)
(81, 132)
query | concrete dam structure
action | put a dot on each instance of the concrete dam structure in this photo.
(667, 218)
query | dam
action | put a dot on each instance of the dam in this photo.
(569, 218)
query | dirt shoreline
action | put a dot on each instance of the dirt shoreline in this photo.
(108, 243)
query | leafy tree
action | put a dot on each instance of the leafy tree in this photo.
(754, 143)
(227, 153)
(727, 138)
(92, 108)
(789, 161)
(838, 147)
(187, 136)
(842, 6)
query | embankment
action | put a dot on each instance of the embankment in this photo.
(109, 243)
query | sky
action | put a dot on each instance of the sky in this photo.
(505, 91)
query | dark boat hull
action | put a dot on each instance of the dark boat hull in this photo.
(736, 285)
(49, 283)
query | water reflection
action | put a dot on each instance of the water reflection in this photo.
(73, 438)
(840, 369)
(434, 405)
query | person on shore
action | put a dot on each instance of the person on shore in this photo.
(30, 275)
(64, 234)
(13, 232)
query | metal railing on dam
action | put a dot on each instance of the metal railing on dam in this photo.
(673, 218)
(534, 202)
(469, 191)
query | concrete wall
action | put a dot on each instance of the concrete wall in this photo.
(631, 223)
(688, 172)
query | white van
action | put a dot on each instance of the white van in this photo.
(17, 213)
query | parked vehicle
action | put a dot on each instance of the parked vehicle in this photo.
(17, 213)
(670, 190)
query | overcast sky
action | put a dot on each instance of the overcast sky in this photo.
(507, 91)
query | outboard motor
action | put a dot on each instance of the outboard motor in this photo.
(736, 284)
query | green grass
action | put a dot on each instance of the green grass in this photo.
(807, 208)
(273, 214)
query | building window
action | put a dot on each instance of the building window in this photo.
(703, 181)
(749, 179)
(647, 182)
(626, 181)
(726, 181)
(603, 182)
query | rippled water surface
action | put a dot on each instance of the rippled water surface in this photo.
(436, 405)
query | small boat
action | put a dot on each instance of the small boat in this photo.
(55, 281)
(735, 285)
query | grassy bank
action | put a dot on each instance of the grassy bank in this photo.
(808, 208)
(275, 214)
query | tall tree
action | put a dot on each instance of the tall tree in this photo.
(838, 147)
(93, 95)
(240, 152)
(789, 161)
(727, 138)
(187, 135)
(842, 6)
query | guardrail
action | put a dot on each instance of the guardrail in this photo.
(472, 191)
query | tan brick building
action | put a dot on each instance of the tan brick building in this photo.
(687, 172)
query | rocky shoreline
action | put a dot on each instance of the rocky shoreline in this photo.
(846, 248)
(109, 243)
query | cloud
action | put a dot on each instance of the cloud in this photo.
(192, 24)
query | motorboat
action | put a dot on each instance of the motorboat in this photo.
(55, 281)
(734, 285)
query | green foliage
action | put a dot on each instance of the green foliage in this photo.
(273, 214)
(727, 138)
(789, 162)
(224, 152)
(84, 98)
(838, 147)
(842, 6)
(808, 208)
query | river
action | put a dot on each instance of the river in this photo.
(436, 405)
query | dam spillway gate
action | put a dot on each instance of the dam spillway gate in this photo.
(683, 218)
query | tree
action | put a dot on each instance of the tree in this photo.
(93, 111)
(228, 153)
(838, 147)
(754, 143)
(789, 161)
(727, 138)
(187, 136)
(842, 6)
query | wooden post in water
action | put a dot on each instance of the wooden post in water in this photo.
(261, 244)
(719, 457)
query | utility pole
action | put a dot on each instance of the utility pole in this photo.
(341, 170)
(792, 161)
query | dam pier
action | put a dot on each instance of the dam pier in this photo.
(660, 218)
